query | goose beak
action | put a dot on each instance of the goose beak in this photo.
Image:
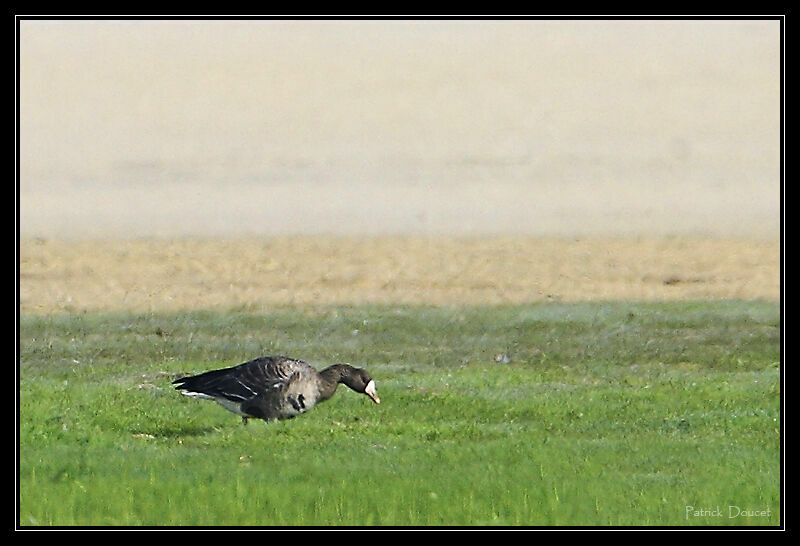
(372, 393)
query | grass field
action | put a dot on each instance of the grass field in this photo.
(512, 415)
(258, 274)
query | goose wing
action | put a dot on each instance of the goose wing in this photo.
(246, 381)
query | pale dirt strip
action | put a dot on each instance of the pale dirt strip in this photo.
(257, 274)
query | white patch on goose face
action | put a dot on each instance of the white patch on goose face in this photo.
(371, 392)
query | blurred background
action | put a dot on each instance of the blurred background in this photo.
(546, 128)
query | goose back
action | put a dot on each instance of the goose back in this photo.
(270, 387)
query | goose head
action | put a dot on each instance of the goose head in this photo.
(359, 380)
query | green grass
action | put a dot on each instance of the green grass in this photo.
(606, 414)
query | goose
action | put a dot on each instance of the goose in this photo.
(274, 387)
